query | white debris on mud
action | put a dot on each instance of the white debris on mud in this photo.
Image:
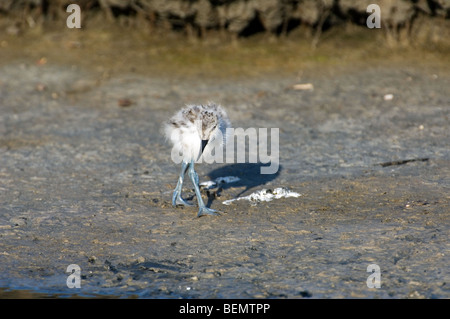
(218, 181)
(265, 195)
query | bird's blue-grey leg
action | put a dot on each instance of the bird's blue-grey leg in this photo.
(203, 210)
(176, 197)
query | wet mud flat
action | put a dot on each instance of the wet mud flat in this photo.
(86, 178)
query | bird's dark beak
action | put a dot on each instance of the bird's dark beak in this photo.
(204, 142)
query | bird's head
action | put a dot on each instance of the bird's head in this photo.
(208, 127)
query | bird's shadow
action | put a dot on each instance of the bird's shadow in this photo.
(249, 175)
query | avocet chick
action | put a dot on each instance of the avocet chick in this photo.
(191, 130)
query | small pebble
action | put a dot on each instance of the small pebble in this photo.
(41, 87)
(388, 97)
(303, 87)
(124, 102)
(140, 259)
(42, 61)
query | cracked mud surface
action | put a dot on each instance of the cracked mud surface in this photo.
(86, 178)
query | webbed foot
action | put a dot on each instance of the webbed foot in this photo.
(207, 211)
(177, 200)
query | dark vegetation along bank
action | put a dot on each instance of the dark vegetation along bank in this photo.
(239, 18)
